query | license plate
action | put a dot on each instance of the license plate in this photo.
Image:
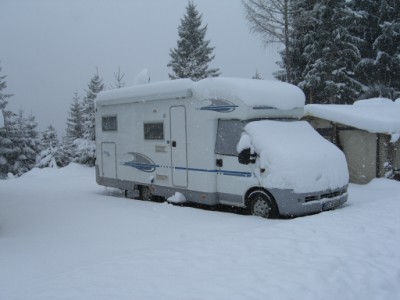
(328, 205)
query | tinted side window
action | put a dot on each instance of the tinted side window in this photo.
(109, 123)
(153, 131)
(228, 136)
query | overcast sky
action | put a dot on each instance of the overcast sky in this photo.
(51, 48)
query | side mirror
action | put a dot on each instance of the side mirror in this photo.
(246, 157)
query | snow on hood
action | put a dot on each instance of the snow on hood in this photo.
(295, 156)
(252, 92)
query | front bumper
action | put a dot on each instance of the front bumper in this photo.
(299, 204)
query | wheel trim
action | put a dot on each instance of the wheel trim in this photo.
(261, 208)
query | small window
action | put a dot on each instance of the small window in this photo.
(109, 123)
(228, 136)
(153, 131)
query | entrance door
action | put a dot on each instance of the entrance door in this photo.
(108, 159)
(178, 146)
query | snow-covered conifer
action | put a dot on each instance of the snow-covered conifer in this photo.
(5, 142)
(387, 50)
(257, 75)
(86, 150)
(25, 143)
(192, 55)
(331, 54)
(94, 87)
(377, 26)
(52, 154)
(74, 128)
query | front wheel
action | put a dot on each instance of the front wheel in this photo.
(262, 205)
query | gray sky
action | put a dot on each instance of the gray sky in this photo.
(51, 48)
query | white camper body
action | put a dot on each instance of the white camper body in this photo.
(182, 136)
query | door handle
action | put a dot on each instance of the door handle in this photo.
(173, 143)
(219, 162)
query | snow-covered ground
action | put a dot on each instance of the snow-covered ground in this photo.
(64, 237)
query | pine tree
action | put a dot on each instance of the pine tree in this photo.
(74, 128)
(377, 26)
(191, 57)
(86, 148)
(49, 138)
(366, 29)
(257, 75)
(94, 87)
(25, 144)
(300, 17)
(52, 154)
(331, 55)
(3, 97)
(5, 142)
(387, 50)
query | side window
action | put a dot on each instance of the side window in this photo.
(153, 131)
(228, 136)
(109, 123)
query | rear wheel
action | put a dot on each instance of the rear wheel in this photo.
(262, 205)
(145, 193)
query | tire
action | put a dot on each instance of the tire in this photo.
(262, 205)
(145, 193)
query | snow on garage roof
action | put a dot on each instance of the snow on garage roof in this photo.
(376, 115)
(254, 93)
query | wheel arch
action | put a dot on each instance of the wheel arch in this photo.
(257, 189)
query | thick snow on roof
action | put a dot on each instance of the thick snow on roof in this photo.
(295, 156)
(373, 115)
(144, 92)
(262, 93)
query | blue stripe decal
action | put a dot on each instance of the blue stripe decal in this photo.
(151, 167)
(223, 172)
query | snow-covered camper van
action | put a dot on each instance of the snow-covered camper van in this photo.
(218, 141)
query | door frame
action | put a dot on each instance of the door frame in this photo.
(184, 148)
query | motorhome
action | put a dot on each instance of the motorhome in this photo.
(236, 142)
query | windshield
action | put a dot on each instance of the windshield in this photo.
(229, 133)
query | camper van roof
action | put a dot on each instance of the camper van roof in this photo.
(172, 89)
(252, 92)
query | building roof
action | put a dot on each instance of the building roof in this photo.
(378, 115)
